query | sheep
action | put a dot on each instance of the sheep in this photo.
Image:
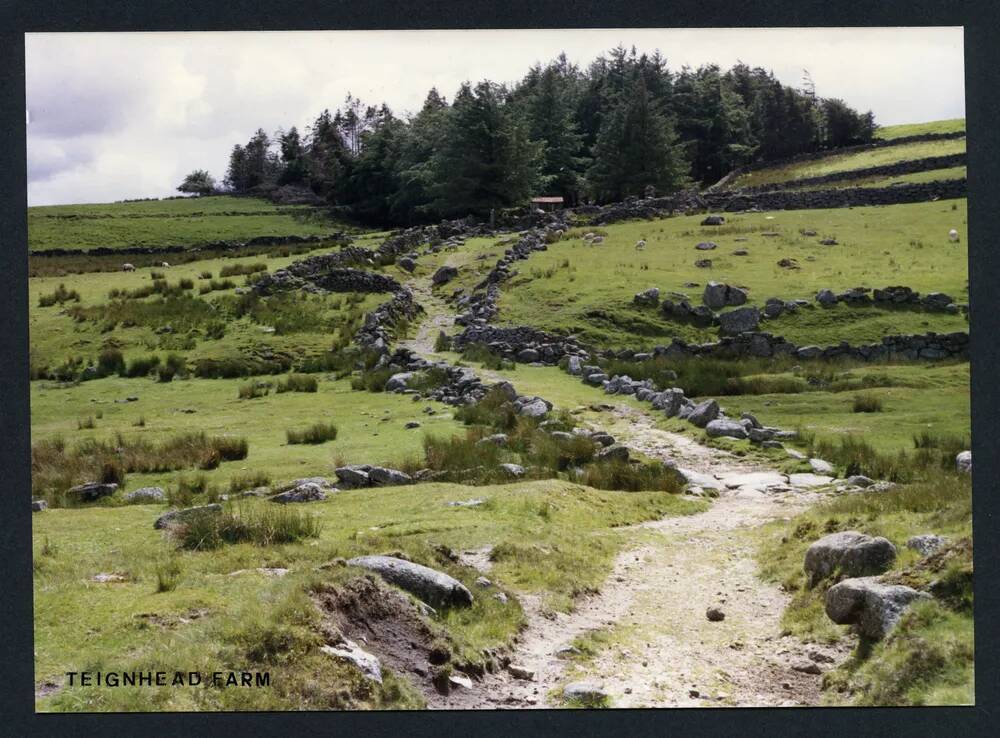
(128, 267)
(953, 235)
(164, 264)
(640, 244)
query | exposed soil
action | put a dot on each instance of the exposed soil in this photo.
(383, 622)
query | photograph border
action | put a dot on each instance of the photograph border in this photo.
(982, 69)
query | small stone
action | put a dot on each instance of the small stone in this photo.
(521, 672)
(715, 615)
(807, 667)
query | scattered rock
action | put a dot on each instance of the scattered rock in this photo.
(103, 578)
(704, 413)
(92, 491)
(521, 672)
(806, 667)
(808, 480)
(739, 320)
(713, 220)
(350, 651)
(307, 492)
(821, 467)
(925, 544)
(715, 615)
(963, 462)
(515, 470)
(707, 246)
(614, 452)
(444, 275)
(859, 480)
(145, 495)
(38, 505)
(174, 517)
(726, 427)
(411, 425)
(647, 298)
(586, 692)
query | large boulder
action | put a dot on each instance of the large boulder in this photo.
(713, 220)
(826, 298)
(349, 651)
(174, 517)
(444, 275)
(872, 607)
(614, 452)
(739, 320)
(92, 491)
(963, 462)
(704, 413)
(433, 587)
(718, 295)
(726, 427)
(574, 365)
(849, 553)
(536, 408)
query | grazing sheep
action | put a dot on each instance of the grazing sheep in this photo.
(953, 235)
(640, 244)
(128, 267)
(164, 264)
(588, 236)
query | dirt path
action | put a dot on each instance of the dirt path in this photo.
(657, 646)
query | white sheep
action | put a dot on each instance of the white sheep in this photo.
(640, 244)
(953, 235)
(128, 267)
(164, 264)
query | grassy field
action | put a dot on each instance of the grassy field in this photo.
(556, 538)
(951, 125)
(370, 426)
(931, 175)
(296, 330)
(588, 290)
(835, 163)
(188, 221)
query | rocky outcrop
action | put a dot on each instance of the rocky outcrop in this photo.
(355, 476)
(92, 491)
(145, 495)
(380, 325)
(306, 492)
(511, 342)
(433, 587)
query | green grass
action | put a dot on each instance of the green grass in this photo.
(252, 621)
(950, 125)
(927, 398)
(169, 222)
(931, 175)
(848, 162)
(878, 246)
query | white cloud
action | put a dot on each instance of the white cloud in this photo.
(127, 115)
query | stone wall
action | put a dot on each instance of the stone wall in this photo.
(338, 238)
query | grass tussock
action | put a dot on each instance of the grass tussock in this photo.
(857, 456)
(58, 297)
(57, 466)
(236, 270)
(250, 480)
(297, 383)
(253, 390)
(260, 525)
(867, 403)
(481, 354)
(314, 434)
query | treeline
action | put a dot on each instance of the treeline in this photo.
(625, 126)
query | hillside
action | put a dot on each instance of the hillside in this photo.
(518, 408)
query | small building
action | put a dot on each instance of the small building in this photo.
(547, 203)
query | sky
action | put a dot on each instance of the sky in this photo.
(127, 115)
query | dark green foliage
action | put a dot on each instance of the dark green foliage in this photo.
(482, 354)
(631, 477)
(58, 297)
(624, 123)
(297, 383)
(141, 367)
(315, 433)
(857, 456)
(867, 403)
(372, 380)
(110, 361)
